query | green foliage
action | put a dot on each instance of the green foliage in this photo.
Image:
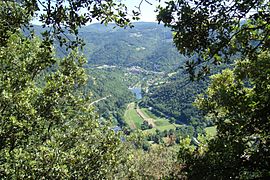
(215, 30)
(211, 131)
(157, 163)
(145, 125)
(48, 127)
(64, 17)
(20, 65)
(238, 102)
(12, 16)
(49, 130)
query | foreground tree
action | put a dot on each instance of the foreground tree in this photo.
(237, 100)
(48, 129)
(213, 31)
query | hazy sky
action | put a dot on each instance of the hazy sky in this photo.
(147, 10)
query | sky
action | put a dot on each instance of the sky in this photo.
(147, 10)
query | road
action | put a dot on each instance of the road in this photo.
(144, 117)
(96, 101)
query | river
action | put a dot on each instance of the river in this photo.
(137, 91)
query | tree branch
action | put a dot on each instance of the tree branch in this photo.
(140, 4)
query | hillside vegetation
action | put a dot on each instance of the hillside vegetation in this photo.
(147, 45)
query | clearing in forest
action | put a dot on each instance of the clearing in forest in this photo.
(134, 117)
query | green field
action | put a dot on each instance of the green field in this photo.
(148, 113)
(132, 118)
(163, 128)
(162, 122)
(211, 131)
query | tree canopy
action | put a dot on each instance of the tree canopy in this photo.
(237, 100)
(48, 128)
(215, 30)
(62, 17)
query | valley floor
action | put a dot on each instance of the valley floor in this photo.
(135, 116)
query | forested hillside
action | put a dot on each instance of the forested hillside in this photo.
(174, 98)
(109, 90)
(148, 45)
